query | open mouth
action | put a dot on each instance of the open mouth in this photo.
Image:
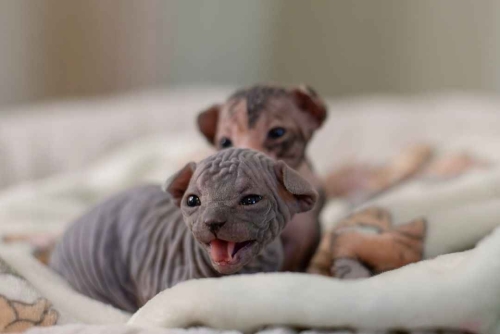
(224, 252)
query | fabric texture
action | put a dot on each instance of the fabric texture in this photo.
(21, 313)
(129, 148)
(438, 293)
(139, 242)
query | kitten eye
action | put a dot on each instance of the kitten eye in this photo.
(193, 201)
(250, 200)
(276, 133)
(225, 142)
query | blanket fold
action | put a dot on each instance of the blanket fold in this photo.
(421, 219)
(459, 291)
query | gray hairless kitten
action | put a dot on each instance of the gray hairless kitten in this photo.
(233, 207)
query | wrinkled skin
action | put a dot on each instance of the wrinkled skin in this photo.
(280, 123)
(244, 201)
(137, 243)
(248, 117)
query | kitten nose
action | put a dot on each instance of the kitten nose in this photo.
(251, 144)
(214, 225)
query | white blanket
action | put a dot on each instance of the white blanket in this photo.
(245, 303)
(461, 213)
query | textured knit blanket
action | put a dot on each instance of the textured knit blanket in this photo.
(419, 220)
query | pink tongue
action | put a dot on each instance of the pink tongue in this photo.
(221, 250)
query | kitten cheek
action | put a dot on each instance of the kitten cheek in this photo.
(190, 211)
(257, 210)
(268, 237)
(260, 218)
(190, 218)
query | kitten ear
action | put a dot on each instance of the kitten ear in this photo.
(309, 101)
(178, 183)
(304, 196)
(207, 122)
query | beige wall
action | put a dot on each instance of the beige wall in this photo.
(22, 60)
(64, 48)
(221, 41)
(97, 47)
(354, 47)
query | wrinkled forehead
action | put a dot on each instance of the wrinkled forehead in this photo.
(247, 113)
(217, 172)
(223, 179)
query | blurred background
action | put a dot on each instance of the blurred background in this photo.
(78, 79)
(99, 95)
(55, 49)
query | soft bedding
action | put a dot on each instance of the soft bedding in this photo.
(420, 219)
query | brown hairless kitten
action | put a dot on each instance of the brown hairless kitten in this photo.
(280, 123)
